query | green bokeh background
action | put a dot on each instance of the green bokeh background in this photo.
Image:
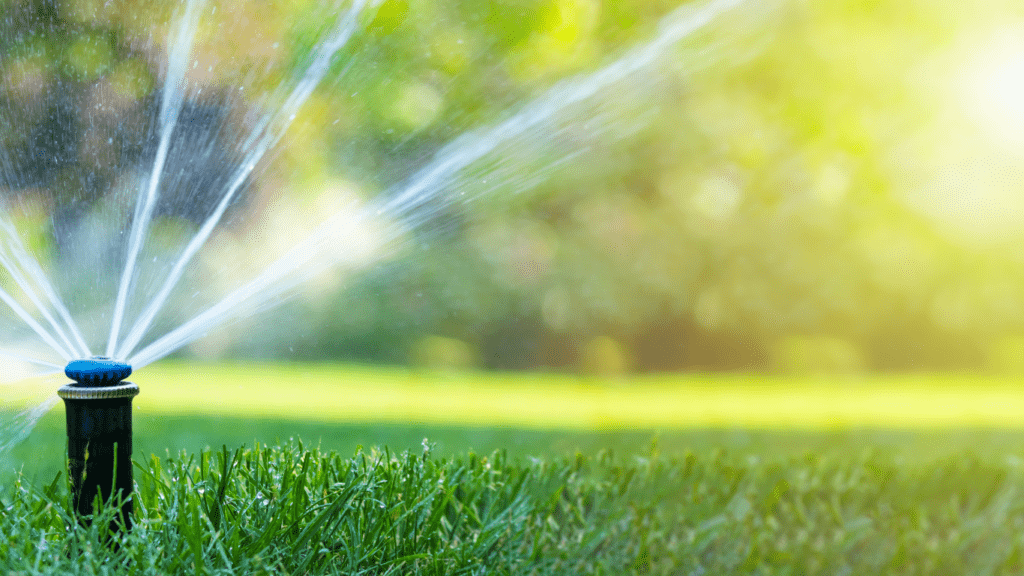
(803, 187)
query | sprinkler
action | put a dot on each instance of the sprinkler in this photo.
(99, 421)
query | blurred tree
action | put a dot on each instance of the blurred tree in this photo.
(769, 196)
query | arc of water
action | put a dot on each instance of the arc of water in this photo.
(170, 106)
(472, 146)
(37, 274)
(31, 360)
(31, 266)
(23, 423)
(274, 280)
(22, 256)
(266, 135)
(463, 151)
(28, 290)
(31, 322)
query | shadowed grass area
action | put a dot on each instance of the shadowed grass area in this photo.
(42, 454)
(341, 407)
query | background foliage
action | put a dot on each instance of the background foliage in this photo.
(827, 186)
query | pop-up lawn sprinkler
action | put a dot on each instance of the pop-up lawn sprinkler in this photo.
(99, 421)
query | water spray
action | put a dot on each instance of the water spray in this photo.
(99, 424)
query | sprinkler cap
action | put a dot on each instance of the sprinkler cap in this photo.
(97, 371)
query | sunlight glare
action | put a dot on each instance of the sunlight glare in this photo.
(992, 86)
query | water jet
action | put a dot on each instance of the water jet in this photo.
(98, 406)
(140, 160)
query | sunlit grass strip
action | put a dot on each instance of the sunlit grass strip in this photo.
(331, 393)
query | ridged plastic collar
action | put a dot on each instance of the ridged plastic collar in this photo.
(77, 392)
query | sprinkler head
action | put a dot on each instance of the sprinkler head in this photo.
(97, 371)
(98, 406)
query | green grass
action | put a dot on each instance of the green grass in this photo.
(824, 493)
(292, 510)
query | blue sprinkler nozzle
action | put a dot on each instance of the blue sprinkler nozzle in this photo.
(97, 371)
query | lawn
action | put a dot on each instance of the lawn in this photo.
(288, 510)
(658, 475)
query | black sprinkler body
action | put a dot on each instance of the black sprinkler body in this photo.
(99, 423)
